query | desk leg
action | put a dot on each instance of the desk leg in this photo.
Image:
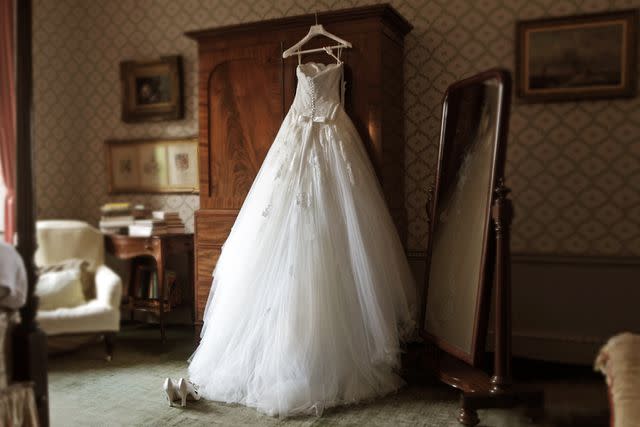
(198, 332)
(191, 284)
(130, 287)
(160, 272)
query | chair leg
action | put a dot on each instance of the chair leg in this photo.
(109, 343)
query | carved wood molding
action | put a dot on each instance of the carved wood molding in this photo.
(386, 11)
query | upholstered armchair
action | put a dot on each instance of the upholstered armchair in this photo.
(618, 360)
(60, 241)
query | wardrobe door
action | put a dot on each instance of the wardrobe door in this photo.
(241, 109)
(241, 113)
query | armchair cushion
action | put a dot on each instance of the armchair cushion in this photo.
(58, 289)
(86, 276)
(87, 318)
(101, 314)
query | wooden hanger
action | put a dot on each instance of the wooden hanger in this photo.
(314, 31)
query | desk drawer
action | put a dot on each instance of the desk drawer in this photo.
(129, 247)
(206, 258)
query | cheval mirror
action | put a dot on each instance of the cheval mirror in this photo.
(469, 218)
(475, 115)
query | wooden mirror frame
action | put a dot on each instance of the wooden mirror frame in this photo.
(487, 263)
(461, 371)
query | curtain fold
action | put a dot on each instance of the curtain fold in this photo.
(7, 114)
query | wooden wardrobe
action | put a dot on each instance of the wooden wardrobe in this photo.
(245, 89)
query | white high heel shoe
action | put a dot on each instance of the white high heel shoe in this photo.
(170, 391)
(187, 390)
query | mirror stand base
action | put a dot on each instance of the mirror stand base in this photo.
(515, 396)
(499, 384)
(468, 417)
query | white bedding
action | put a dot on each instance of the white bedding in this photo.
(13, 278)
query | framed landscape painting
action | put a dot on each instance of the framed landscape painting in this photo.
(577, 57)
(152, 166)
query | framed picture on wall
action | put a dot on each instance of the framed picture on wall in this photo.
(577, 57)
(152, 90)
(152, 166)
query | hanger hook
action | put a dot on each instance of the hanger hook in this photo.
(316, 13)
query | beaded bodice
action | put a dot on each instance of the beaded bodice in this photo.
(318, 92)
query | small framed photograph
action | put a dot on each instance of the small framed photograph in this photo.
(152, 166)
(577, 57)
(152, 90)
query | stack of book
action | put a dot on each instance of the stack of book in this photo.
(148, 227)
(141, 212)
(172, 220)
(115, 217)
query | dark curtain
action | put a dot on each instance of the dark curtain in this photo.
(7, 114)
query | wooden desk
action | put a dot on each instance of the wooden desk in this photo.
(160, 248)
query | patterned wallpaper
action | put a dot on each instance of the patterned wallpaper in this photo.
(574, 167)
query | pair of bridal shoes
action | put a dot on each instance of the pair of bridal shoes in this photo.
(181, 390)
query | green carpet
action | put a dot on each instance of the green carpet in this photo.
(85, 390)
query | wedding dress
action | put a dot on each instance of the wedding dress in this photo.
(312, 292)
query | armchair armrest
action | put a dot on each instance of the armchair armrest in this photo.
(108, 287)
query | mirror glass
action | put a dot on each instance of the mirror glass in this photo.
(461, 216)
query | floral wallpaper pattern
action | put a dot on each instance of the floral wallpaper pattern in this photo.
(574, 167)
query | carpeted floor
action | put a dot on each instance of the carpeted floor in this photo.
(85, 390)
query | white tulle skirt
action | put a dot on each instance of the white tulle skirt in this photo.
(312, 293)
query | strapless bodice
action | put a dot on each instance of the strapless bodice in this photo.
(318, 91)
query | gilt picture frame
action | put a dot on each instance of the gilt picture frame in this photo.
(577, 57)
(152, 166)
(152, 90)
